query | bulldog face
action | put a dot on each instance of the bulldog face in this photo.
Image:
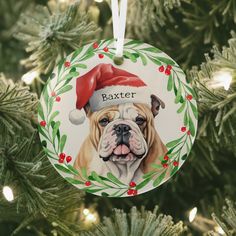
(123, 133)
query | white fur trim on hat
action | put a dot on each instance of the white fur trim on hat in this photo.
(77, 117)
(115, 95)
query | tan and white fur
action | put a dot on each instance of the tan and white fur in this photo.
(122, 140)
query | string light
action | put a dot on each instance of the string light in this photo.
(219, 230)
(192, 214)
(90, 217)
(221, 79)
(86, 211)
(29, 77)
(8, 193)
(98, 0)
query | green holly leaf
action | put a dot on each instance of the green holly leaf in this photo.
(73, 170)
(167, 61)
(41, 131)
(92, 190)
(181, 107)
(149, 174)
(84, 172)
(130, 56)
(76, 53)
(174, 142)
(64, 89)
(73, 181)
(114, 179)
(63, 169)
(60, 64)
(154, 60)
(40, 111)
(87, 56)
(151, 49)
(170, 83)
(174, 170)
(178, 95)
(54, 114)
(186, 118)
(55, 129)
(97, 178)
(191, 126)
(143, 58)
(159, 179)
(83, 66)
(143, 183)
(194, 110)
(132, 42)
(63, 142)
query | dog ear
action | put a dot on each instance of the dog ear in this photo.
(156, 104)
(87, 110)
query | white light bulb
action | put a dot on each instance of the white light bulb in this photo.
(29, 77)
(98, 0)
(192, 214)
(86, 211)
(91, 217)
(221, 79)
(8, 193)
(219, 230)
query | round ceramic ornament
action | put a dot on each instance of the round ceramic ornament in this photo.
(114, 130)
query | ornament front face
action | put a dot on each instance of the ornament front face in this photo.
(117, 130)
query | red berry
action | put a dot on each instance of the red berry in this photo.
(175, 163)
(132, 184)
(161, 68)
(189, 97)
(87, 183)
(166, 158)
(61, 160)
(67, 64)
(183, 129)
(169, 67)
(68, 159)
(130, 191)
(58, 99)
(167, 72)
(100, 56)
(62, 156)
(95, 45)
(135, 191)
(43, 123)
(105, 49)
(165, 165)
(188, 133)
(53, 94)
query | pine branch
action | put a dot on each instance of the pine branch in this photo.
(182, 31)
(137, 223)
(52, 32)
(41, 195)
(17, 108)
(227, 221)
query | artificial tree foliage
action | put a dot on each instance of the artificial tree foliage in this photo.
(35, 34)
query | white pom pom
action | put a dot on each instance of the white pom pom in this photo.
(77, 117)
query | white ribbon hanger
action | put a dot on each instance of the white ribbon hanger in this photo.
(119, 23)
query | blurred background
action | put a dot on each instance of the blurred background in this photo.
(200, 200)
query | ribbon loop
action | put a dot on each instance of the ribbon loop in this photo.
(119, 23)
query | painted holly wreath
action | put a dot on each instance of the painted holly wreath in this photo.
(123, 152)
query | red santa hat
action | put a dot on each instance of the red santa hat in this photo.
(106, 85)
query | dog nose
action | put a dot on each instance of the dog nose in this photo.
(122, 129)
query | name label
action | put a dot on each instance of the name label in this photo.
(113, 96)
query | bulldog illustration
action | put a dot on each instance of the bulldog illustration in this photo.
(121, 111)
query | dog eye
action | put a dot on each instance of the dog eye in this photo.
(139, 120)
(104, 121)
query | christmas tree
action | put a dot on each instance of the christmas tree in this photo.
(35, 200)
